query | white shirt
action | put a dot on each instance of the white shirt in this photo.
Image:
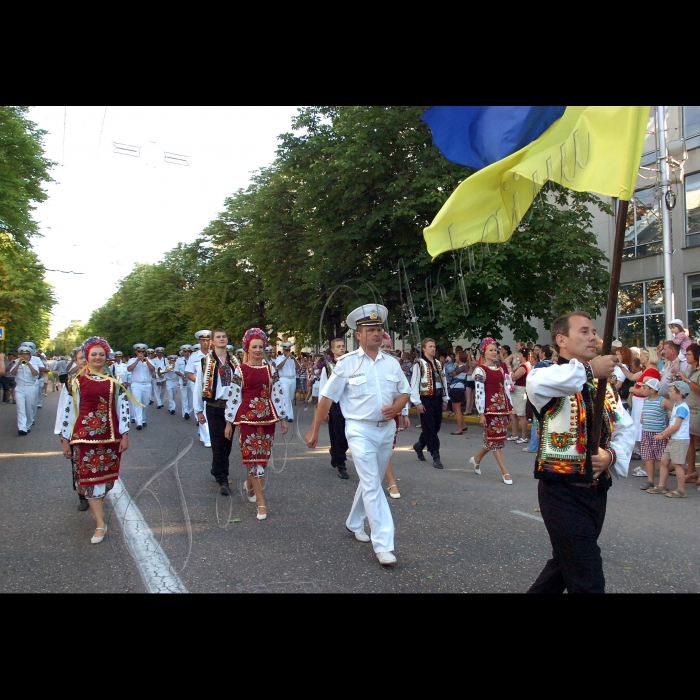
(289, 370)
(119, 371)
(222, 392)
(195, 358)
(362, 386)
(180, 366)
(159, 362)
(547, 383)
(681, 410)
(141, 373)
(24, 374)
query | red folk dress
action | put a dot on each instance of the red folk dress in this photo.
(256, 417)
(492, 400)
(96, 435)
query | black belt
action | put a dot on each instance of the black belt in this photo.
(216, 403)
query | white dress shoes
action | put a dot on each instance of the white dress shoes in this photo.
(386, 558)
(477, 468)
(393, 494)
(97, 540)
(252, 498)
(207, 444)
(360, 536)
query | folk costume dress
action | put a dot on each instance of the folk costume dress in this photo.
(255, 404)
(493, 401)
(95, 416)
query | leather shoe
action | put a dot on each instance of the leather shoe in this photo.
(145, 424)
(21, 432)
(361, 536)
(138, 427)
(343, 473)
(224, 489)
(97, 539)
(187, 416)
(83, 505)
(161, 406)
(436, 462)
(386, 558)
(419, 452)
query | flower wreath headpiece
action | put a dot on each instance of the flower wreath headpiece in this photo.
(488, 340)
(95, 340)
(251, 334)
(386, 336)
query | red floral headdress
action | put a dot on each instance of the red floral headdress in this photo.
(386, 336)
(95, 340)
(488, 340)
(251, 334)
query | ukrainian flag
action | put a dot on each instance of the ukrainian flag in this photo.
(587, 149)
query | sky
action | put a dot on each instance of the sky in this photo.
(107, 211)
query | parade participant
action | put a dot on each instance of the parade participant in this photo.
(150, 356)
(171, 382)
(239, 354)
(25, 372)
(186, 397)
(230, 352)
(95, 430)
(41, 379)
(141, 370)
(212, 383)
(202, 350)
(159, 362)
(371, 390)
(287, 367)
(119, 369)
(427, 396)
(60, 367)
(64, 397)
(392, 488)
(493, 405)
(336, 422)
(255, 403)
(574, 481)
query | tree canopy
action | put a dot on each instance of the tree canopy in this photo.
(346, 199)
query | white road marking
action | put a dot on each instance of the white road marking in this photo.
(155, 568)
(528, 515)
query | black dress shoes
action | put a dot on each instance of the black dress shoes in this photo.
(83, 505)
(436, 461)
(145, 424)
(224, 489)
(343, 473)
(419, 452)
(187, 416)
(138, 427)
(21, 432)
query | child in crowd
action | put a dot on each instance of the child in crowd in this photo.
(653, 422)
(678, 436)
(679, 337)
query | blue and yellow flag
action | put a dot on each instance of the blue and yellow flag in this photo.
(588, 149)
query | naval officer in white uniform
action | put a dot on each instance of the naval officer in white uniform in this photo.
(185, 383)
(204, 338)
(26, 373)
(371, 389)
(287, 370)
(141, 370)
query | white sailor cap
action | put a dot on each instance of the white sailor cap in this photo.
(239, 350)
(203, 335)
(268, 348)
(286, 345)
(229, 347)
(140, 346)
(29, 343)
(195, 347)
(172, 357)
(25, 348)
(118, 352)
(150, 350)
(75, 351)
(110, 356)
(160, 349)
(367, 315)
(186, 346)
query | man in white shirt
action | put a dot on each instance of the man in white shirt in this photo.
(141, 370)
(171, 382)
(158, 380)
(673, 365)
(371, 389)
(204, 338)
(213, 378)
(185, 383)
(119, 369)
(25, 370)
(287, 370)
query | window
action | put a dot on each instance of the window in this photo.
(640, 313)
(691, 126)
(691, 186)
(643, 236)
(693, 305)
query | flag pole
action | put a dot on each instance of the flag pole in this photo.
(610, 315)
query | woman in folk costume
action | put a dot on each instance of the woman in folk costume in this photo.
(494, 406)
(95, 430)
(255, 404)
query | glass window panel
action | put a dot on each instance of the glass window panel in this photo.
(656, 331)
(691, 121)
(692, 203)
(631, 331)
(631, 300)
(694, 323)
(647, 216)
(655, 296)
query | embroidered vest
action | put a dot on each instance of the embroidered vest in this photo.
(211, 370)
(427, 381)
(563, 453)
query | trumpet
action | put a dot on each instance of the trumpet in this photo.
(144, 360)
(24, 362)
(168, 368)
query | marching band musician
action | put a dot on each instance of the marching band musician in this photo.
(204, 338)
(158, 383)
(185, 383)
(171, 382)
(26, 372)
(141, 370)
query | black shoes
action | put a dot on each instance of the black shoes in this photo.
(83, 505)
(436, 461)
(161, 406)
(172, 413)
(290, 420)
(21, 432)
(145, 424)
(150, 402)
(138, 427)
(187, 416)
(343, 473)
(419, 451)
(224, 489)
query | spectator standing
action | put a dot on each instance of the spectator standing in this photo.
(692, 378)
(654, 421)
(545, 355)
(519, 377)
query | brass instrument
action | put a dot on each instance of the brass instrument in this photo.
(24, 362)
(168, 368)
(145, 360)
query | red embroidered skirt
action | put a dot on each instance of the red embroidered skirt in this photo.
(256, 443)
(496, 431)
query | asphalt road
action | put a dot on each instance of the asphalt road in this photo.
(455, 531)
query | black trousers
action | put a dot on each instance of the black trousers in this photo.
(220, 446)
(336, 432)
(430, 422)
(573, 517)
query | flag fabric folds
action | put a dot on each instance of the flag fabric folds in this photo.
(479, 136)
(596, 149)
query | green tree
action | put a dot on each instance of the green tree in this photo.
(67, 339)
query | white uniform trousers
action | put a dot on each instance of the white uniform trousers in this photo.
(289, 388)
(39, 393)
(156, 390)
(172, 393)
(203, 430)
(370, 447)
(25, 398)
(142, 393)
(186, 398)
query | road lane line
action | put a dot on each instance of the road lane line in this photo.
(155, 568)
(528, 515)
